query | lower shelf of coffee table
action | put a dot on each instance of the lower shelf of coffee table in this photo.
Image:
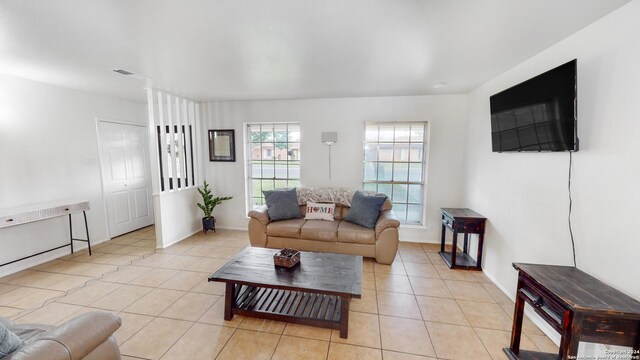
(288, 305)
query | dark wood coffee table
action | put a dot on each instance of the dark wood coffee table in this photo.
(316, 292)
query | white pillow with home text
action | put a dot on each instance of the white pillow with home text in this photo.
(317, 211)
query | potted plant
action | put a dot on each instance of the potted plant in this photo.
(208, 204)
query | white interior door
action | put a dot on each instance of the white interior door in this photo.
(126, 176)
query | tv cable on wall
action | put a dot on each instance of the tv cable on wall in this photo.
(573, 244)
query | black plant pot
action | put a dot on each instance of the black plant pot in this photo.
(208, 224)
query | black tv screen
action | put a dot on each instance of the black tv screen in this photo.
(538, 114)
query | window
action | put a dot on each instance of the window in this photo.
(273, 153)
(394, 164)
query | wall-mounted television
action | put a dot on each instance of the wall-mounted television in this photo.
(538, 114)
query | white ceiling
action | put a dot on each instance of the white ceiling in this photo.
(281, 49)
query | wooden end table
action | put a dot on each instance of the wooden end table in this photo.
(316, 292)
(467, 221)
(578, 306)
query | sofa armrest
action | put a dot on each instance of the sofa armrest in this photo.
(260, 214)
(75, 339)
(387, 219)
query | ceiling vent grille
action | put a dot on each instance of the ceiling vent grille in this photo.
(123, 72)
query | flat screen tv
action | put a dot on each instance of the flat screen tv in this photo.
(538, 114)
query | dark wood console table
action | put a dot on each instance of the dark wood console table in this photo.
(579, 307)
(468, 222)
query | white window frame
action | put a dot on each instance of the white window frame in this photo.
(367, 183)
(291, 182)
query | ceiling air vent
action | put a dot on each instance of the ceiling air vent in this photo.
(123, 72)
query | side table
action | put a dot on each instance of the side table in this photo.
(467, 221)
(580, 308)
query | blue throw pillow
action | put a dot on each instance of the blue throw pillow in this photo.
(9, 342)
(365, 209)
(282, 204)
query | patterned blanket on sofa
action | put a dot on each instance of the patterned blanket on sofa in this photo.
(325, 194)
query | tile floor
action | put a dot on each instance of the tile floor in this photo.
(415, 308)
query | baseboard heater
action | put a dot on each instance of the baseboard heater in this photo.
(27, 214)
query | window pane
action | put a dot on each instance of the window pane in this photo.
(254, 134)
(256, 188)
(293, 152)
(267, 151)
(371, 133)
(267, 133)
(399, 193)
(370, 152)
(280, 151)
(415, 172)
(280, 133)
(385, 152)
(267, 170)
(385, 189)
(401, 212)
(414, 214)
(267, 185)
(401, 152)
(370, 171)
(281, 184)
(281, 169)
(417, 133)
(294, 133)
(256, 153)
(385, 171)
(370, 187)
(416, 154)
(415, 194)
(386, 133)
(401, 172)
(256, 169)
(293, 183)
(402, 133)
(294, 170)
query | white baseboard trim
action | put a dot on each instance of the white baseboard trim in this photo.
(232, 228)
(546, 328)
(420, 241)
(41, 259)
(178, 240)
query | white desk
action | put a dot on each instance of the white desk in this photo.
(26, 214)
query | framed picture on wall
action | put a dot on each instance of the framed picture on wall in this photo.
(222, 145)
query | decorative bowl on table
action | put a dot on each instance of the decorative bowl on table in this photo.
(286, 258)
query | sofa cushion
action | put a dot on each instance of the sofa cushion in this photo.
(352, 233)
(9, 342)
(282, 204)
(320, 230)
(285, 228)
(365, 209)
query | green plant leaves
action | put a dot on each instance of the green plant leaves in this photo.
(208, 201)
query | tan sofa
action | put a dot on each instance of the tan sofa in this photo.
(88, 337)
(336, 236)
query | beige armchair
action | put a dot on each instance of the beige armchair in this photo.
(89, 337)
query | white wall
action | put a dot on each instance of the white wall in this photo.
(525, 195)
(177, 216)
(49, 148)
(445, 114)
